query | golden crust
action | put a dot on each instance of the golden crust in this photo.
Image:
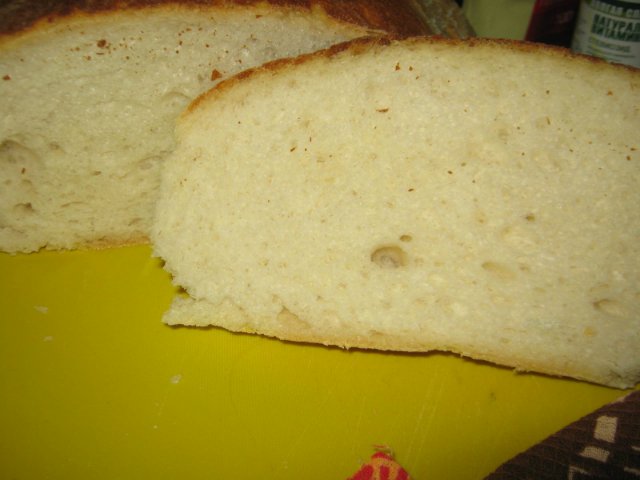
(104, 243)
(362, 45)
(297, 331)
(397, 17)
(355, 47)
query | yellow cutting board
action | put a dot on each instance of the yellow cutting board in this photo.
(94, 386)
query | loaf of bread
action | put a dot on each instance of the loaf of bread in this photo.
(89, 92)
(477, 197)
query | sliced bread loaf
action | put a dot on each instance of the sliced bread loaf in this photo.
(477, 197)
(89, 92)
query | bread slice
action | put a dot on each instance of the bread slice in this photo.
(477, 197)
(89, 92)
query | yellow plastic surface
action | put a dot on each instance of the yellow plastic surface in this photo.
(94, 386)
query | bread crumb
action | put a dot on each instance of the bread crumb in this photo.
(176, 379)
(48, 338)
(41, 309)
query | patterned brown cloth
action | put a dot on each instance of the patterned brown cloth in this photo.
(603, 445)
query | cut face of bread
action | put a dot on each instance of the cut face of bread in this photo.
(481, 198)
(89, 100)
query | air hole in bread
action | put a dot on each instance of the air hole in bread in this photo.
(148, 163)
(24, 208)
(481, 217)
(292, 321)
(7, 147)
(610, 307)
(498, 270)
(389, 257)
(13, 152)
(406, 238)
(175, 98)
(70, 204)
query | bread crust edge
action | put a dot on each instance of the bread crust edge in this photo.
(398, 17)
(361, 45)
